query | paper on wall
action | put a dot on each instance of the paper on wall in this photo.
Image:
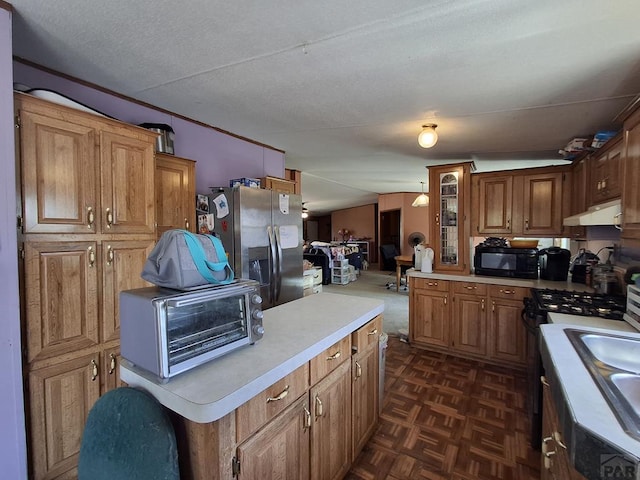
(284, 203)
(222, 205)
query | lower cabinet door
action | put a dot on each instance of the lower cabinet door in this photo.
(331, 425)
(60, 397)
(281, 449)
(364, 391)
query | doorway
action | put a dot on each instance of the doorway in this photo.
(390, 228)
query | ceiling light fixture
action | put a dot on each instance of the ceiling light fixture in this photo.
(305, 212)
(428, 136)
(421, 200)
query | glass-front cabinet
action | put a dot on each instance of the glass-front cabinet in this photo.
(449, 189)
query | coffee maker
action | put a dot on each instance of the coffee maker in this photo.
(554, 263)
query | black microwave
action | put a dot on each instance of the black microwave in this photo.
(506, 262)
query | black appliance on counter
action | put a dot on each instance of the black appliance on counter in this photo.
(554, 263)
(497, 260)
(536, 308)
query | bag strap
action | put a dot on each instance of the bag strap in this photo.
(204, 266)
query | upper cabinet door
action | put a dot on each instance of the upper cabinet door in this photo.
(496, 199)
(542, 204)
(59, 173)
(175, 193)
(127, 183)
(631, 184)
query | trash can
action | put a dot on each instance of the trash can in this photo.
(382, 355)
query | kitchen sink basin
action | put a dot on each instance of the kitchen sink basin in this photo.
(614, 363)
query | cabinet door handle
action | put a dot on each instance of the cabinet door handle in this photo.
(109, 254)
(617, 225)
(112, 363)
(445, 300)
(94, 370)
(334, 356)
(186, 224)
(507, 291)
(469, 287)
(432, 284)
(493, 306)
(307, 418)
(92, 256)
(526, 224)
(543, 381)
(437, 219)
(557, 437)
(280, 396)
(509, 223)
(90, 217)
(358, 370)
(109, 217)
(546, 453)
(482, 304)
(319, 410)
(373, 332)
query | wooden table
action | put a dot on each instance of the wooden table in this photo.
(402, 261)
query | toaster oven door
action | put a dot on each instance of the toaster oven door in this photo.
(199, 329)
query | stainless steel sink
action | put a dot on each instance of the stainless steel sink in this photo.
(614, 363)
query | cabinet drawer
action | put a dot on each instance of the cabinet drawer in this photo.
(470, 288)
(252, 415)
(367, 334)
(508, 292)
(330, 359)
(432, 284)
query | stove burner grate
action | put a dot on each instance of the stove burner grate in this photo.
(580, 303)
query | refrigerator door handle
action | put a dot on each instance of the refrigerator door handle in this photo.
(278, 286)
(273, 274)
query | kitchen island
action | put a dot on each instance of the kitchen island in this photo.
(318, 359)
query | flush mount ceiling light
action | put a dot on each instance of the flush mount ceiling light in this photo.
(421, 200)
(428, 136)
(305, 212)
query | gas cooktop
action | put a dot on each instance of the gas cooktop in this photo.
(580, 303)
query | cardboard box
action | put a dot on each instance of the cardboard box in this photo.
(245, 182)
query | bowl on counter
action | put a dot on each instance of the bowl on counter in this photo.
(524, 243)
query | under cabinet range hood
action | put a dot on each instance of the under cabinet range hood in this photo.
(603, 214)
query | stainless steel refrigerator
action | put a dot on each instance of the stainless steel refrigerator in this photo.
(261, 231)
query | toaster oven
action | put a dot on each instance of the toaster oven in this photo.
(167, 332)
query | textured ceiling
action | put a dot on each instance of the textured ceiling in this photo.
(344, 87)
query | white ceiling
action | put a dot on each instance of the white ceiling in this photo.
(344, 86)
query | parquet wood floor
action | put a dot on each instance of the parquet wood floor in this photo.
(446, 418)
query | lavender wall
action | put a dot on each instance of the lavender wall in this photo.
(12, 432)
(219, 157)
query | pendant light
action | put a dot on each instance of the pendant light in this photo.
(421, 200)
(428, 136)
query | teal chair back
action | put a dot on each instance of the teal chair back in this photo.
(128, 435)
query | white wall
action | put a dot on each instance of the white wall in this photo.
(12, 432)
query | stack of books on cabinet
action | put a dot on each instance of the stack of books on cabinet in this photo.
(341, 272)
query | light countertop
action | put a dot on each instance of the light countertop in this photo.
(584, 399)
(294, 333)
(513, 282)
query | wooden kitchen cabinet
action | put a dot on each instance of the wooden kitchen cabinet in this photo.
(175, 193)
(495, 197)
(631, 185)
(278, 184)
(580, 194)
(531, 202)
(331, 425)
(542, 204)
(554, 458)
(507, 334)
(87, 226)
(429, 312)
(450, 193)
(365, 383)
(70, 186)
(281, 448)
(605, 165)
(469, 322)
